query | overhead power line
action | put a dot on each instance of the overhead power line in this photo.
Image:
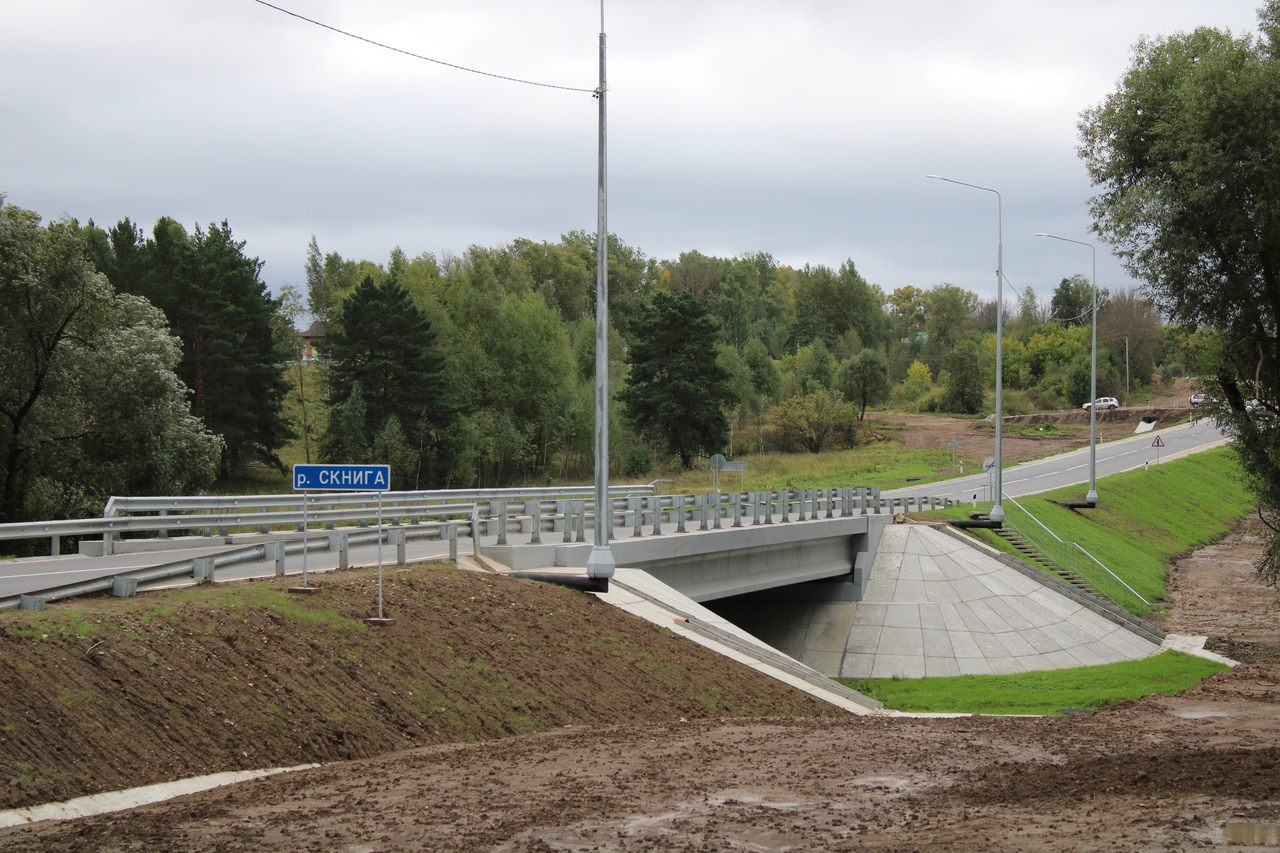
(420, 56)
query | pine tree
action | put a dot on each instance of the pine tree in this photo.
(384, 345)
(217, 305)
(677, 393)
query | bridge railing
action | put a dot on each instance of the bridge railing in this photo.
(163, 516)
(406, 516)
(549, 510)
(654, 515)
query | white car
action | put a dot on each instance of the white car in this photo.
(1103, 403)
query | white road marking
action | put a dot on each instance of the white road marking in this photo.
(104, 569)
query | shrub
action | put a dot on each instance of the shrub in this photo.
(638, 462)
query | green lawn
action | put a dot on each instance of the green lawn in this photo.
(1048, 692)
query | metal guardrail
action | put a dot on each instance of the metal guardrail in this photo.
(204, 568)
(1073, 557)
(501, 514)
(163, 515)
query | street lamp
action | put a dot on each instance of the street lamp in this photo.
(997, 511)
(600, 562)
(1092, 497)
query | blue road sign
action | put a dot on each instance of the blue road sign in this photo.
(341, 478)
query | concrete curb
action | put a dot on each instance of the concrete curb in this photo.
(115, 801)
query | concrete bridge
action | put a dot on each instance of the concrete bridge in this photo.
(855, 596)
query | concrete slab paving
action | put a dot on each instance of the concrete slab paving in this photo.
(935, 604)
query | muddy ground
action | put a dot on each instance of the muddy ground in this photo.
(613, 769)
(1165, 773)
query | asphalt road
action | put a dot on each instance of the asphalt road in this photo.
(1068, 469)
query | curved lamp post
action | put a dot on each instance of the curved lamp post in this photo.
(997, 511)
(1092, 497)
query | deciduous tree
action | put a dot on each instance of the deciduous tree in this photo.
(864, 380)
(1186, 160)
(89, 401)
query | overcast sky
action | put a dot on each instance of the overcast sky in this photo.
(801, 128)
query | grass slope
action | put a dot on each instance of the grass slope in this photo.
(1144, 518)
(1047, 692)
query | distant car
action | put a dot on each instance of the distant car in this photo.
(1103, 403)
(1198, 400)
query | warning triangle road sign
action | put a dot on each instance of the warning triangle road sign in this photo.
(1159, 442)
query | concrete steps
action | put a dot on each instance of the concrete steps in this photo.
(1036, 557)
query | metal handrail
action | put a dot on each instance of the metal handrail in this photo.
(1069, 546)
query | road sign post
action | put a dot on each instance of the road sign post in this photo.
(1157, 443)
(718, 464)
(342, 478)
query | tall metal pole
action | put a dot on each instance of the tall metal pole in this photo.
(997, 511)
(600, 563)
(1092, 497)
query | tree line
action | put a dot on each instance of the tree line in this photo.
(479, 369)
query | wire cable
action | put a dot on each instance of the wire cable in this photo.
(593, 92)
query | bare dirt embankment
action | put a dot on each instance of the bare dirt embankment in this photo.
(101, 694)
(1036, 435)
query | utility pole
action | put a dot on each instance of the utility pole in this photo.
(600, 563)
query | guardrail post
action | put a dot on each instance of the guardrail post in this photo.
(715, 510)
(534, 509)
(656, 502)
(636, 505)
(564, 517)
(124, 587)
(700, 501)
(397, 535)
(502, 521)
(678, 503)
(475, 530)
(279, 555)
(785, 496)
(344, 553)
(31, 602)
(202, 569)
(452, 531)
(164, 534)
